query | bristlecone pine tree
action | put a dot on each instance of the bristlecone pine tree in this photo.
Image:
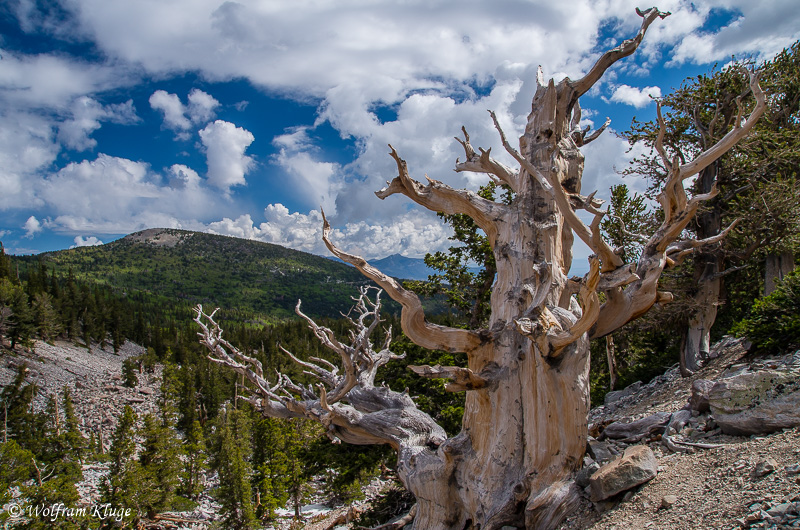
(525, 419)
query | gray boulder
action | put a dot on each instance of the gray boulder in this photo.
(700, 391)
(636, 430)
(757, 402)
(616, 395)
(637, 465)
(601, 451)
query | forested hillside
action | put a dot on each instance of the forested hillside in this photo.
(238, 274)
(202, 420)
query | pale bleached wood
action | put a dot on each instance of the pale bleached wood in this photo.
(413, 320)
(484, 163)
(439, 197)
(581, 86)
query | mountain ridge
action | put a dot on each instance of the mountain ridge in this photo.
(232, 273)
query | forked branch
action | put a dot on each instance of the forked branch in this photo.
(663, 248)
(581, 86)
(438, 197)
(420, 331)
(555, 328)
(739, 131)
(484, 163)
(347, 404)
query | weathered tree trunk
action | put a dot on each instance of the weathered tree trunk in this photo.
(696, 343)
(611, 358)
(525, 418)
(696, 340)
(777, 266)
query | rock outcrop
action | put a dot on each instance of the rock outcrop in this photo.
(758, 399)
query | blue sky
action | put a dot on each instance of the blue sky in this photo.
(243, 118)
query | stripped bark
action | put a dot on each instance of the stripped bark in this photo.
(777, 266)
(527, 387)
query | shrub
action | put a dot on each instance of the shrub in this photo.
(773, 325)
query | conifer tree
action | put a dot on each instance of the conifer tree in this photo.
(19, 422)
(160, 462)
(69, 306)
(45, 316)
(298, 438)
(5, 264)
(188, 399)
(15, 468)
(129, 377)
(121, 455)
(76, 442)
(170, 394)
(194, 447)
(19, 323)
(271, 464)
(55, 286)
(753, 188)
(87, 316)
(56, 469)
(231, 461)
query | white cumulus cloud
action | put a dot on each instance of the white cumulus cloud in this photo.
(114, 195)
(758, 30)
(315, 182)
(406, 73)
(27, 147)
(638, 97)
(172, 108)
(225, 144)
(90, 241)
(202, 106)
(87, 114)
(32, 227)
(180, 117)
(412, 234)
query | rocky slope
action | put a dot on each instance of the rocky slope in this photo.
(94, 377)
(739, 482)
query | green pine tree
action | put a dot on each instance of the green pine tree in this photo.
(15, 468)
(121, 480)
(77, 443)
(19, 422)
(231, 461)
(271, 465)
(45, 317)
(194, 447)
(129, 376)
(18, 321)
(161, 464)
(5, 264)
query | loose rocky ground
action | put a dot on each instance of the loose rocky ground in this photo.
(94, 377)
(747, 482)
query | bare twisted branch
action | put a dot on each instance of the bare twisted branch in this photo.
(420, 331)
(661, 249)
(347, 404)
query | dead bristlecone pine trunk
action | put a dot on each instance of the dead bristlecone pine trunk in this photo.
(527, 388)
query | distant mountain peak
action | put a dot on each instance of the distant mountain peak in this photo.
(404, 267)
(160, 237)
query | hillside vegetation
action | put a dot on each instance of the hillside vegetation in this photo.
(237, 274)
